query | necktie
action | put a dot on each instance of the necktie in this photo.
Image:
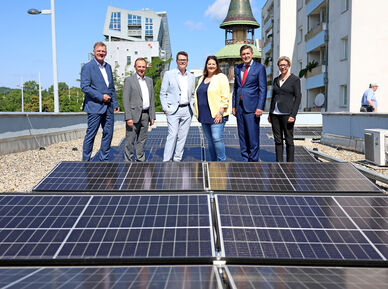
(245, 73)
(245, 76)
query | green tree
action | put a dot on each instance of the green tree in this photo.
(154, 71)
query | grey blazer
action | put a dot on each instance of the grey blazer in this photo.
(133, 98)
(170, 91)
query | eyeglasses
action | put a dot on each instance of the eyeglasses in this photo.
(283, 65)
(182, 60)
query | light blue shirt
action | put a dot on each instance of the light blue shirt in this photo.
(369, 94)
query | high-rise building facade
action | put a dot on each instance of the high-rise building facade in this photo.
(337, 44)
(133, 34)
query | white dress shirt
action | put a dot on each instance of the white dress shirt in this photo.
(103, 72)
(183, 84)
(144, 92)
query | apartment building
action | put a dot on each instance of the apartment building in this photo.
(132, 34)
(337, 44)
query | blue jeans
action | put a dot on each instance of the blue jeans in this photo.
(213, 133)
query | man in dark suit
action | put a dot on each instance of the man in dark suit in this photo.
(249, 95)
(100, 103)
(139, 105)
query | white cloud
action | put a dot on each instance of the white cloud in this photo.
(194, 26)
(218, 10)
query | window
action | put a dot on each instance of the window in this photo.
(149, 31)
(299, 35)
(343, 95)
(300, 4)
(344, 5)
(115, 21)
(345, 48)
(128, 60)
(134, 20)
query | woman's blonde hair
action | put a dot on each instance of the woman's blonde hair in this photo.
(284, 58)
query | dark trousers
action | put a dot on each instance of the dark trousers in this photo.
(248, 126)
(281, 128)
(106, 120)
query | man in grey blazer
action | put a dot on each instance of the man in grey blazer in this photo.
(177, 99)
(139, 105)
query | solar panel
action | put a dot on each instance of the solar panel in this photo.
(327, 177)
(190, 154)
(252, 277)
(172, 277)
(288, 177)
(293, 229)
(300, 132)
(102, 177)
(85, 228)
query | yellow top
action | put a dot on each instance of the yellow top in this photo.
(218, 95)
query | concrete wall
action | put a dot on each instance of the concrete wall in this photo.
(368, 51)
(26, 131)
(347, 129)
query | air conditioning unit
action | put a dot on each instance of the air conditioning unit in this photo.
(376, 146)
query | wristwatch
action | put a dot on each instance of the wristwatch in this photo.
(222, 113)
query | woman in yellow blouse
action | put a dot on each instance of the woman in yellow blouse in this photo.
(212, 105)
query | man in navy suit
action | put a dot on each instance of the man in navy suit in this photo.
(99, 103)
(249, 95)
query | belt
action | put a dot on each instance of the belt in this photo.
(145, 111)
(183, 105)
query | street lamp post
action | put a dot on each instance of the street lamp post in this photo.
(54, 49)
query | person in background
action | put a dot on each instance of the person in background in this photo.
(139, 105)
(285, 101)
(100, 103)
(249, 95)
(177, 97)
(369, 101)
(212, 105)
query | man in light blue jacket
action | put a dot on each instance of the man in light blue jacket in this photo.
(100, 103)
(177, 98)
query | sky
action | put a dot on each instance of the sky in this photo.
(26, 39)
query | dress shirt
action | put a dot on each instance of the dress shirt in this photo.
(103, 72)
(242, 70)
(369, 94)
(183, 84)
(144, 92)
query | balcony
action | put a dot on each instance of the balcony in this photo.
(234, 41)
(316, 30)
(316, 71)
(315, 81)
(312, 5)
(316, 41)
(268, 24)
(267, 48)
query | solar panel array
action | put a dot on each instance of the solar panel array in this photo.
(105, 228)
(196, 147)
(215, 176)
(303, 132)
(201, 277)
(164, 218)
(294, 228)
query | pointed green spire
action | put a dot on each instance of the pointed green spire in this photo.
(239, 13)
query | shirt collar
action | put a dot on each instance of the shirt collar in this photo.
(180, 73)
(138, 77)
(100, 65)
(250, 63)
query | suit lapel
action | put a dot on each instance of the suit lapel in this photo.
(99, 73)
(137, 84)
(177, 80)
